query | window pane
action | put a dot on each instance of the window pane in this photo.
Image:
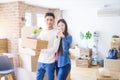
(28, 19)
(40, 20)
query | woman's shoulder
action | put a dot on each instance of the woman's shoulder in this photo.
(69, 36)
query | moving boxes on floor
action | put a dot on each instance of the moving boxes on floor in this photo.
(28, 56)
(87, 52)
(112, 64)
(85, 58)
(29, 62)
(83, 63)
(115, 43)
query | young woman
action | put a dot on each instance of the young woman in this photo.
(63, 62)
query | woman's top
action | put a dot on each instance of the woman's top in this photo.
(64, 59)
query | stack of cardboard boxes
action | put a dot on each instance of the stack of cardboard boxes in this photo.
(27, 45)
(27, 56)
(115, 43)
(113, 64)
(85, 58)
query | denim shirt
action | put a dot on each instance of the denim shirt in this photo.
(64, 59)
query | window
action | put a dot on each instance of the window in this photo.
(28, 19)
(40, 20)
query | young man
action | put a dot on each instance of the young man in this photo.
(46, 61)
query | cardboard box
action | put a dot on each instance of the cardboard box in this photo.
(34, 43)
(3, 50)
(118, 55)
(115, 45)
(83, 63)
(29, 62)
(68, 77)
(3, 45)
(71, 55)
(112, 64)
(87, 52)
(116, 40)
(26, 51)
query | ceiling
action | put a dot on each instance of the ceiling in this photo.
(68, 4)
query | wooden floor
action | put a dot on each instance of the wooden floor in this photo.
(83, 73)
(91, 73)
(76, 73)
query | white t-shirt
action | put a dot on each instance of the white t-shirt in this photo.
(48, 55)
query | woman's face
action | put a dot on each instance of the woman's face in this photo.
(61, 26)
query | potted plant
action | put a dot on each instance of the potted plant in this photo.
(35, 32)
(87, 36)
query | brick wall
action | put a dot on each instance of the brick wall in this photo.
(11, 23)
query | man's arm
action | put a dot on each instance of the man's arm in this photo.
(54, 48)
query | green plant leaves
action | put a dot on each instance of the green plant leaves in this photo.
(86, 36)
(115, 36)
(35, 30)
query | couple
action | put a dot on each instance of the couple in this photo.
(58, 41)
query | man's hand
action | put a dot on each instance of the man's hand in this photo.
(37, 50)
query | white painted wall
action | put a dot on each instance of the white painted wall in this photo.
(84, 18)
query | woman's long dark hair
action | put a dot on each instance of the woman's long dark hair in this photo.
(60, 49)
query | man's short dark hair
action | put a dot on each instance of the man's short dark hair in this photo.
(50, 14)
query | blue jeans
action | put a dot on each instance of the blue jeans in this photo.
(56, 68)
(63, 72)
(48, 68)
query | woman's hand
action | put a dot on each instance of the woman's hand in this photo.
(60, 33)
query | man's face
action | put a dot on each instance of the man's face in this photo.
(49, 20)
